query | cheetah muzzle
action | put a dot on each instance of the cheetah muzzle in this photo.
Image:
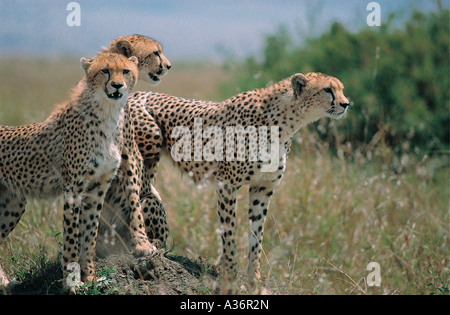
(115, 95)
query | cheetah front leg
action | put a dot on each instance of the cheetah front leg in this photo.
(92, 205)
(226, 208)
(83, 202)
(259, 198)
(71, 228)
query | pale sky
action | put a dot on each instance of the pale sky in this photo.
(188, 29)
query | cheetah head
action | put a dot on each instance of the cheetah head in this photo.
(153, 65)
(111, 75)
(320, 95)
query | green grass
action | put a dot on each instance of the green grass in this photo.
(333, 213)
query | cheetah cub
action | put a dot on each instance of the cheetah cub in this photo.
(76, 152)
(227, 143)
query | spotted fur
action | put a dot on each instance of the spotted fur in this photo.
(288, 105)
(76, 152)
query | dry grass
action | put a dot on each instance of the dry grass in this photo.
(330, 217)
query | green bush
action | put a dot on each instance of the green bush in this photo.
(396, 77)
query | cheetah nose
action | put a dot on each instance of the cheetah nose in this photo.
(168, 67)
(345, 105)
(116, 85)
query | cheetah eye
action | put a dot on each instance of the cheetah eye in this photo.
(105, 71)
(156, 53)
(328, 90)
(126, 71)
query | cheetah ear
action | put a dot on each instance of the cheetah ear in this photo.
(124, 48)
(134, 59)
(298, 82)
(85, 63)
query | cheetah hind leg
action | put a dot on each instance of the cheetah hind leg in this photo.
(11, 209)
(139, 239)
(155, 221)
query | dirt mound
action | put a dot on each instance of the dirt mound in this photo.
(156, 275)
(126, 274)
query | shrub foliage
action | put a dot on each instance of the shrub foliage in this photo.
(397, 77)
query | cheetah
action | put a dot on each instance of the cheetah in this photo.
(196, 137)
(153, 65)
(76, 152)
(115, 217)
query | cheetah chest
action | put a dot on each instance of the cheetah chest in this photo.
(110, 158)
(107, 148)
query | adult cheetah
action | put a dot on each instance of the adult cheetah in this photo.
(195, 135)
(75, 152)
(115, 218)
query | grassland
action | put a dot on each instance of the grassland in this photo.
(334, 212)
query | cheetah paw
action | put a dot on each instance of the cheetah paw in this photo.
(145, 249)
